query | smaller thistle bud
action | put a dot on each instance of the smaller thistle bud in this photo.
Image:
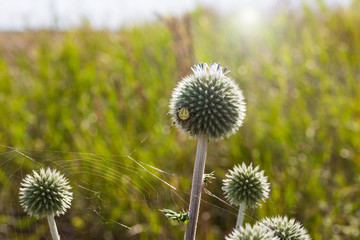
(208, 177)
(45, 193)
(174, 216)
(208, 102)
(246, 184)
(285, 229)
(251, 233)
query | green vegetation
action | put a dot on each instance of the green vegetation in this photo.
(94, 105)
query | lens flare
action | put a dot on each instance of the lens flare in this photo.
(249, 16)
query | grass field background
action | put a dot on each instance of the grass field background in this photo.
(94, 104)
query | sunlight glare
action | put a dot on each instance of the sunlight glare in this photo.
(249, 16)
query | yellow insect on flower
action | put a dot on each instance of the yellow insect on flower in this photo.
(183, 114)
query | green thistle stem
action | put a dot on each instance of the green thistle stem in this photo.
(241, 214)
(53, 228)
(197, 183)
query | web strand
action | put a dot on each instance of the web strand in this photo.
(112, 170)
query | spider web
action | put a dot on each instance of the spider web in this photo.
(134, 186)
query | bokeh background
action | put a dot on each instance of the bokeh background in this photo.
(91, 100)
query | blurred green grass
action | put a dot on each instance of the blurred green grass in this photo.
(63, 95)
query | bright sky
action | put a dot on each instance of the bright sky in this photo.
(34, 14)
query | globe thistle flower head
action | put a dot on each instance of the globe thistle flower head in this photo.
(45, 193)
(208, 102)
(246, 184)
(251, 233)
(285, 229)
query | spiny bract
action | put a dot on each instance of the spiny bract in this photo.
(251, 233)
(246, 184)
(285, 229)
(45, 193)
(215, 103)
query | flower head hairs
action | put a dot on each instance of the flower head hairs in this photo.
(256, 232)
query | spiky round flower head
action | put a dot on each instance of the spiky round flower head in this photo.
(208, 102)
(246, 184)
(45, 193)
(285, 229)
(256, 232)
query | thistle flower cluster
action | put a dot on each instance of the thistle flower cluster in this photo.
(246, 184)
(285, 229)
(208, 102)
(256, 232)
(45, 193)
